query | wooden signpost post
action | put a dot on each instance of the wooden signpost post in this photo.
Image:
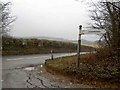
(79, 46)
(82, 32)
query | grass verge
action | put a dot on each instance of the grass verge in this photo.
(90, 72)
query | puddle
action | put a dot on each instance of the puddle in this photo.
(29, 68)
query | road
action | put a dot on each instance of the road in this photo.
(22, 72)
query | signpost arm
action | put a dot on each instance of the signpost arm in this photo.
(79, 47)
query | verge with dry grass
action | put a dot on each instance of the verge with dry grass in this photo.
(98, 73)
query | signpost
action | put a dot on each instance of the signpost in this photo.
(79, 46)
(93, 31)
(82, 32)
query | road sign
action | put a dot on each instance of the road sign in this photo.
(93, 31)
(82, 32)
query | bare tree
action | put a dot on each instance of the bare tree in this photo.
(5, 18)
(106, 15)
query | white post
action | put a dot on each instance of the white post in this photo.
(51, 55)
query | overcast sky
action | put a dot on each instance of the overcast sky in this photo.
(51, 18)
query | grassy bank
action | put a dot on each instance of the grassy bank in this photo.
(91, 71)
(20, 46)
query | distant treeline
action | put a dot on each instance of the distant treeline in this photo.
(20, 46)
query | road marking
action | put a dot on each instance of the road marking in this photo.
(70, 83)
(29, 68)
(15, 59)
(41, 65)
(32, 57)
(41, 71)
(21, 58)
(38, 57)
(2, 80)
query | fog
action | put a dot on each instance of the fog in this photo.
(51, 18)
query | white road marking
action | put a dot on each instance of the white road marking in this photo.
(36, 57)
(41, 71)
(2, 80)
(29, 68)
(21, 58)
(32, 57)
(15, 59)
(70, 83)
(41, 65)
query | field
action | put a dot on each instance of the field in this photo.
(20, 46)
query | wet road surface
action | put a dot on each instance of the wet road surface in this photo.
(28, 72)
